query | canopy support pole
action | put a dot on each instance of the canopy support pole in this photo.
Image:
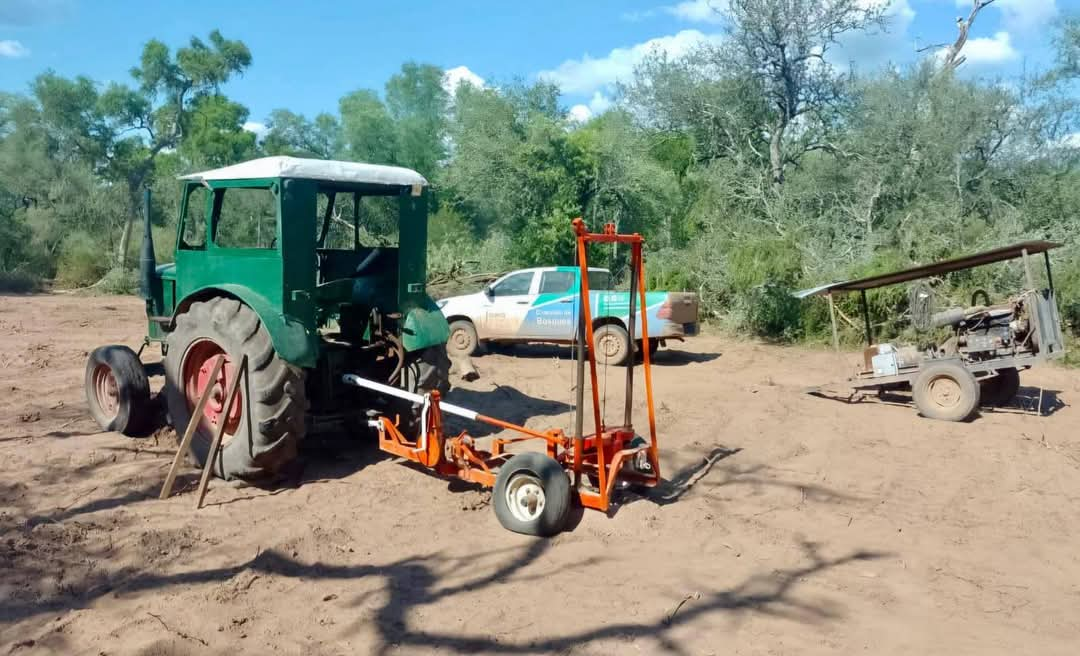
(866, 319)
(835, 333)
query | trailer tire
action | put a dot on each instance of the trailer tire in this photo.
(118, 391)
(269, 422)
(532, 495)
(946, 391)
(1001, 389)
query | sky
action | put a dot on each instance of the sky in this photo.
(307, 55)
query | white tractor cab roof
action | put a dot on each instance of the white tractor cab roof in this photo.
(315, 169)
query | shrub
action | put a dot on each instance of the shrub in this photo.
(82, 261)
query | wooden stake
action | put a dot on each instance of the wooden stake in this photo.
(832, 317)
(215, 446)
(189, 432)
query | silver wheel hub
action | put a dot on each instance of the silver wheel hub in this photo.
(525, 497)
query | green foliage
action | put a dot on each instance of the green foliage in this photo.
(748, 180)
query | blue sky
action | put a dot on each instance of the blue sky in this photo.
(309, 54)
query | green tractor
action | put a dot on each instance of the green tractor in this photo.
(271, 269)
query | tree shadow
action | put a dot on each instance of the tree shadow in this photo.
(412, 583)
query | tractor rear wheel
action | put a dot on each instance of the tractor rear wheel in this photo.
(266, 422)
(946, 391)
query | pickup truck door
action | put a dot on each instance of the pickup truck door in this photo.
(553, 311)
(507, 305)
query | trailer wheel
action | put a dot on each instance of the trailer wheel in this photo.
(612, 344)
(1001, 389)
(266, 422)
(946, 391)
(117, 390)
(532, 495)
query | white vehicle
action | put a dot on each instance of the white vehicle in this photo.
(540, 305)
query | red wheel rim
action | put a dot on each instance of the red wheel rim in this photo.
(199, 362)
(105, 390)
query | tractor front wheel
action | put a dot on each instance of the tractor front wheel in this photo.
(118, 391)
(266, 422)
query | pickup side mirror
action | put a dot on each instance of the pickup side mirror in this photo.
(489, 292)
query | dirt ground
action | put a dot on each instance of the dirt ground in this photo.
(788, 523)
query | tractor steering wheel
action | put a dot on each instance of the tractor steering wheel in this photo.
(975, 297)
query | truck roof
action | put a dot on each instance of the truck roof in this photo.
(314, 169)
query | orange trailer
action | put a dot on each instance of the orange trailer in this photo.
(533, 491)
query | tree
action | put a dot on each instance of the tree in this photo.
(782, 45)
(953, 57)
(289, 133)
(122, 130)
(418, 104)
(368, 132)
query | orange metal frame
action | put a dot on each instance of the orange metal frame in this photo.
(598, 457)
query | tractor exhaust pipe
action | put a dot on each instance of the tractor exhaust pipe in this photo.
(147, 262)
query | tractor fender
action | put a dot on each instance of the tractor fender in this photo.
(293, 341)
(424, 327)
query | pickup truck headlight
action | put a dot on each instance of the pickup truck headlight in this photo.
(441, 303)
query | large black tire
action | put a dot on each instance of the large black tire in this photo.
(427, 370)
(612, 344)
(946, 391)
(532, 495)
(118, 391)
(463, 340)
(1001, 389)
(271, 417)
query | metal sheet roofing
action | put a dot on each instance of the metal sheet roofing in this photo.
(935, 269)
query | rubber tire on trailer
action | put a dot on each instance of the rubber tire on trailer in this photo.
(272, 404)
(120, 369)
(960, 392)
(553, 482)
(463, 340)
(617, 336)
(1001, 389)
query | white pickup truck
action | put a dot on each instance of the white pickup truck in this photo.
(540, 305)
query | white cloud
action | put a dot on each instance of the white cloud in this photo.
(1025, 15)
(580, 113)
(454, 77)
(873, 48)
(588, 74)
(984, 51)
(13, 49)
(259, 129)
(699, 11)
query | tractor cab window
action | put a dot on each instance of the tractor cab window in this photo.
(194, 235)
(245, 217)
(514, 285)
(556, 282)
(334, 224)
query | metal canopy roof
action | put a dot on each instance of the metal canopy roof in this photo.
(314, 169)
(938, 268)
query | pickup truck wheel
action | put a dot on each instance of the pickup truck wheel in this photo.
(266, 422)
(463, 340)
(612, 344)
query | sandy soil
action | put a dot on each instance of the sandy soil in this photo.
(789, 524)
